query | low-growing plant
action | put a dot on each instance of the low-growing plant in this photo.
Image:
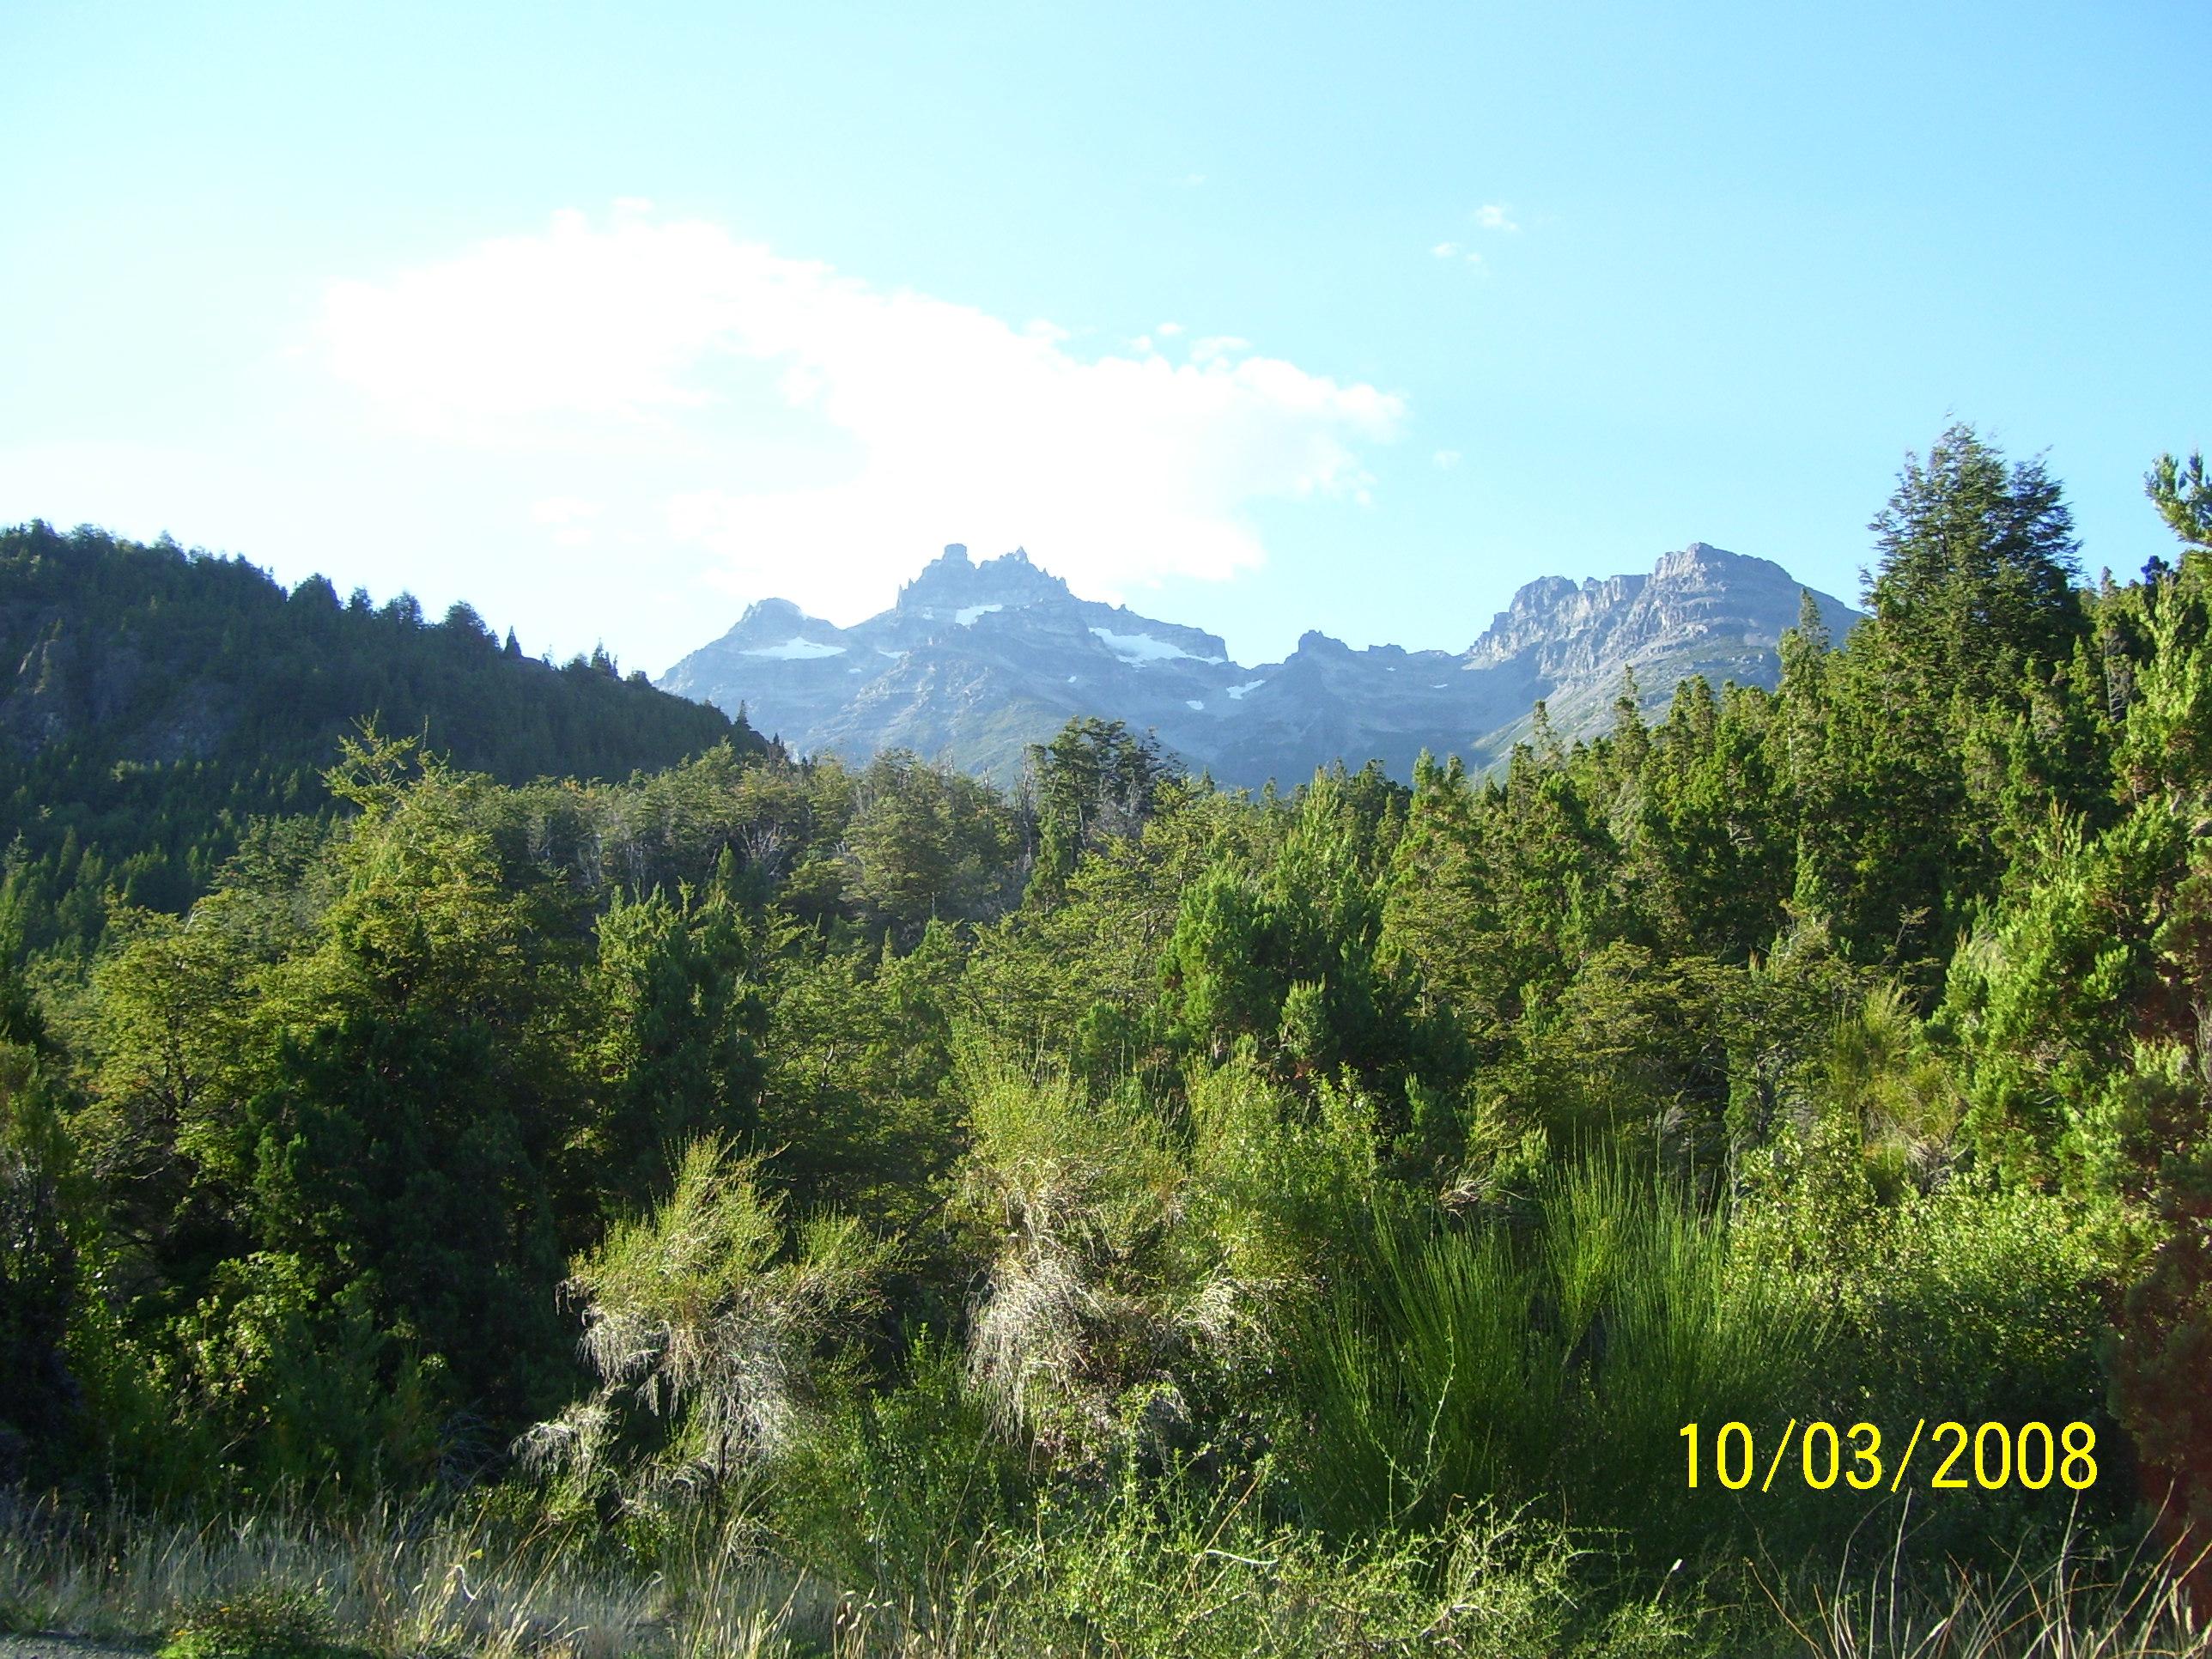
(268, 1622)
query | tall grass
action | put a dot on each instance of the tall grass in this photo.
(1553, 1361)
(1175, 1569)
(399, 1581)
(2081, 1603)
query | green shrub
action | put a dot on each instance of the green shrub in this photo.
(892, 1486)
(265, 1622)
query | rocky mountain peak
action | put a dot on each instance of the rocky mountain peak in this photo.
(1701, 562)
(1549, 611)
(771, 613)
(780, 629)
(953, 582)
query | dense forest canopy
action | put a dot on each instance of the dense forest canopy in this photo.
(163, 699)
(884, 1171)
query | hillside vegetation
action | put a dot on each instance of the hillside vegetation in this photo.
(162, 700)
(758, 1207)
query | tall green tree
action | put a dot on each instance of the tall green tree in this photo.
(423, 1083)
(677, 982)
(38, 1254)
(1976, 627)
(2182, 495)
(1977, 563)
(1096, 781)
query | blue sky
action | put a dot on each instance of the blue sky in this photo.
(1262, 318)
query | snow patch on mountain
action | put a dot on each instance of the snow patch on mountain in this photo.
(796, 649)
(1141, 648)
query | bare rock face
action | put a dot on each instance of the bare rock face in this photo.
(1702, 610)
(62, 692)
(973, 662)
(39, 706)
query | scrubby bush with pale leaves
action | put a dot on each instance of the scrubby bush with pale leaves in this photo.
(701, 1322)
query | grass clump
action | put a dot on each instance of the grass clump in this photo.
(1557, 1359)
(267, 1621)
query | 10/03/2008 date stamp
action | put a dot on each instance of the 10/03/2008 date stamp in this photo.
(1994, 1455)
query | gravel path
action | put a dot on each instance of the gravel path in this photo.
(64, 1647)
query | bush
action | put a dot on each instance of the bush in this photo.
(266, 1622)
(889, 1486)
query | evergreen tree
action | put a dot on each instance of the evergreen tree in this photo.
(2183, 495)
(1978, 563)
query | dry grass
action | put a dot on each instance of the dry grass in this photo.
(2080, 1605)
(399, 1582)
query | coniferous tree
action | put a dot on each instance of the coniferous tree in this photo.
(2182, 495)
(1978, 563)
(1975, 620)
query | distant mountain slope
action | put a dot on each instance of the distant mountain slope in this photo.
(152, 701)
(973, 662)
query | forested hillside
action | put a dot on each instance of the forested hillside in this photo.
(758, 1208)
(158, 701)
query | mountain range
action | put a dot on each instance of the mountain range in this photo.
(976, 661)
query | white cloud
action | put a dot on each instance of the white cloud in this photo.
(1446, 459)
(1495, 216)
(1168, 330)
(919, 421)
(568, 516)
(1444, 250)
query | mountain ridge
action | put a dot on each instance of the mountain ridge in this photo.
(973, 662)
(155, 702)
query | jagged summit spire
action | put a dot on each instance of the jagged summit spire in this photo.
(956, 581)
